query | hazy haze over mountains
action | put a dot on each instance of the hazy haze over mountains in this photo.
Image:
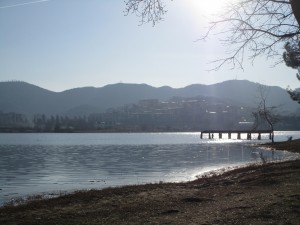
(21, 97)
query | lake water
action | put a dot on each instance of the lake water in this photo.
(47, 163)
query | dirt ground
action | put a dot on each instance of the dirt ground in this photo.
(266, 194)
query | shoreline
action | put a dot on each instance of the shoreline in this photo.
(290, 145)
(256, 194)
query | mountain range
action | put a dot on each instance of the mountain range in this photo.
(25, 98)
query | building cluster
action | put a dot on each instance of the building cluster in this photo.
(150, 115)
(177, 114)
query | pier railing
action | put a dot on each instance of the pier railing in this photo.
(219, 133)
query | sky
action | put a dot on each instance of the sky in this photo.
(64, 44)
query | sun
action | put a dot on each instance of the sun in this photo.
(207, 7)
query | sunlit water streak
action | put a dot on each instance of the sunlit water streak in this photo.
(37, 163)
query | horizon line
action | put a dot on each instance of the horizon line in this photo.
(40, 86)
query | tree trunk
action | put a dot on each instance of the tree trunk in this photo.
(296, 9)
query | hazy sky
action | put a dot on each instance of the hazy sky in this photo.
(62, 44)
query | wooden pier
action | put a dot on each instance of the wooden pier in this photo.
(219, 133)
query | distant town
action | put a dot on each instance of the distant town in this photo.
(149, 115)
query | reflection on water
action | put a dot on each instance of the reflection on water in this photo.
(36, 163)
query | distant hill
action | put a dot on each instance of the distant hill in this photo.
(29, 99)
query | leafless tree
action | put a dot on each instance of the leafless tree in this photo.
(264, 112)
(260, 27)
(148, 10)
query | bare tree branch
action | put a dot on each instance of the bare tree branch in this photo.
(255, 27)
(148, 10)
(260, 27)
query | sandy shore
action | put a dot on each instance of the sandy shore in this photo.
(267, 194)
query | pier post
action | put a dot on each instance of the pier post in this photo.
(249, 136)
(228, 133)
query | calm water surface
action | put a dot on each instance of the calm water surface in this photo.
(45, 163)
